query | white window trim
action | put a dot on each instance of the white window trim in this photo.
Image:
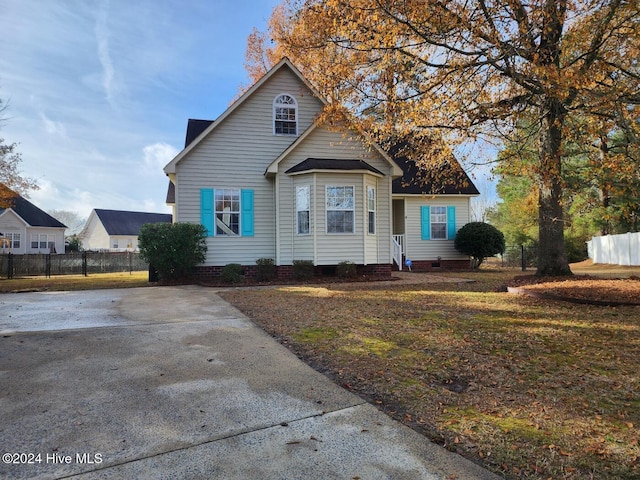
(352, 210)
(48, 239)
(215, 212)
(308, 209)
(276, 104)
(432, 223)
(11, 237)
(369, 211)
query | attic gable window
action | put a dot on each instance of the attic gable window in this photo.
(285, 115)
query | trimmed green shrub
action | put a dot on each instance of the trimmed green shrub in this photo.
(302, 269)
(346, 269)
(266, 269)
(232, 273)
(479, 240)
(173, 249)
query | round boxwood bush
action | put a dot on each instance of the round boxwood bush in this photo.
(479, 240)
(265, 270)
(232, 273)
(346, 269)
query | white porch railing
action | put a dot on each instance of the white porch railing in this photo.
(398, 249)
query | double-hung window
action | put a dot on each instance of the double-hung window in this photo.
(340, 209)
(227, 211)
(438, 223)
(285, 115)
(303, 201)
(13, 239)
(371, 207)
(43, 241)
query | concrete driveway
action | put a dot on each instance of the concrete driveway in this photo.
(172, 382)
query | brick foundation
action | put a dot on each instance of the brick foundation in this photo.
(435, 265)
(285, 272)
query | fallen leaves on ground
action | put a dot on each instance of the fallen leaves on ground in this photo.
(528, 387)
(590, 289)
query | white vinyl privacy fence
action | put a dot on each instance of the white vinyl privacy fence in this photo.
(615, 249)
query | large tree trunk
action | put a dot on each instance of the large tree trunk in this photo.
(552, 258)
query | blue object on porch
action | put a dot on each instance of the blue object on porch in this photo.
(407, 262)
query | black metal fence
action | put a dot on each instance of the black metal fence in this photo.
(70, 263)
(519, 256)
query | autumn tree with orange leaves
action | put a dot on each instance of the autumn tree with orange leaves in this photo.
(11, 181)
(469, 70)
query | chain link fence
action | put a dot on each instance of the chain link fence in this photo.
(70, 263)
(519, 256)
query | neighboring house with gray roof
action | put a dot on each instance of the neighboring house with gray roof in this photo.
(268, 180)
(25, 228)
(117, 230)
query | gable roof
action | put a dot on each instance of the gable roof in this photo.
(194, 128)
(171, 194)
(446, 178)
(31, 214)
(118, 222)
(170, 168)
(272, 169)
(332, 164)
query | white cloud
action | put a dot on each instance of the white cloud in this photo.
(43, 195)
(156, 156)
(52, 127)
(99, 91)
(104, 55)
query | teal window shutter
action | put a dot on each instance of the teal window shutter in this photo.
(206, 209)
(425, 218)
(451, 223)
(247, 213)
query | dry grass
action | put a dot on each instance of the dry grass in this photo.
(75, 282)
(530, 388)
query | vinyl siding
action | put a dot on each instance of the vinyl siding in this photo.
(235, 155)
(59, 239)
(123, 242)
(322, 247)
(94, 235)
(11, 223)
(377, 247)
(418, 249)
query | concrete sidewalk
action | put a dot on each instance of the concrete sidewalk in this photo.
(172, 382)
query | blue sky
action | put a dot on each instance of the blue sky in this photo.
(100, 91)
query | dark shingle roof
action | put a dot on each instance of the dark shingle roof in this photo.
(118, 222)
(32, 214)
(332, 164)
(171, 193)
(194, 128)
(446, 178)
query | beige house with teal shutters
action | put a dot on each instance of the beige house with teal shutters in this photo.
(267, 180)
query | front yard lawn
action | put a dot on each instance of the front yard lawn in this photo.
(530, 388)
(75, 282)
